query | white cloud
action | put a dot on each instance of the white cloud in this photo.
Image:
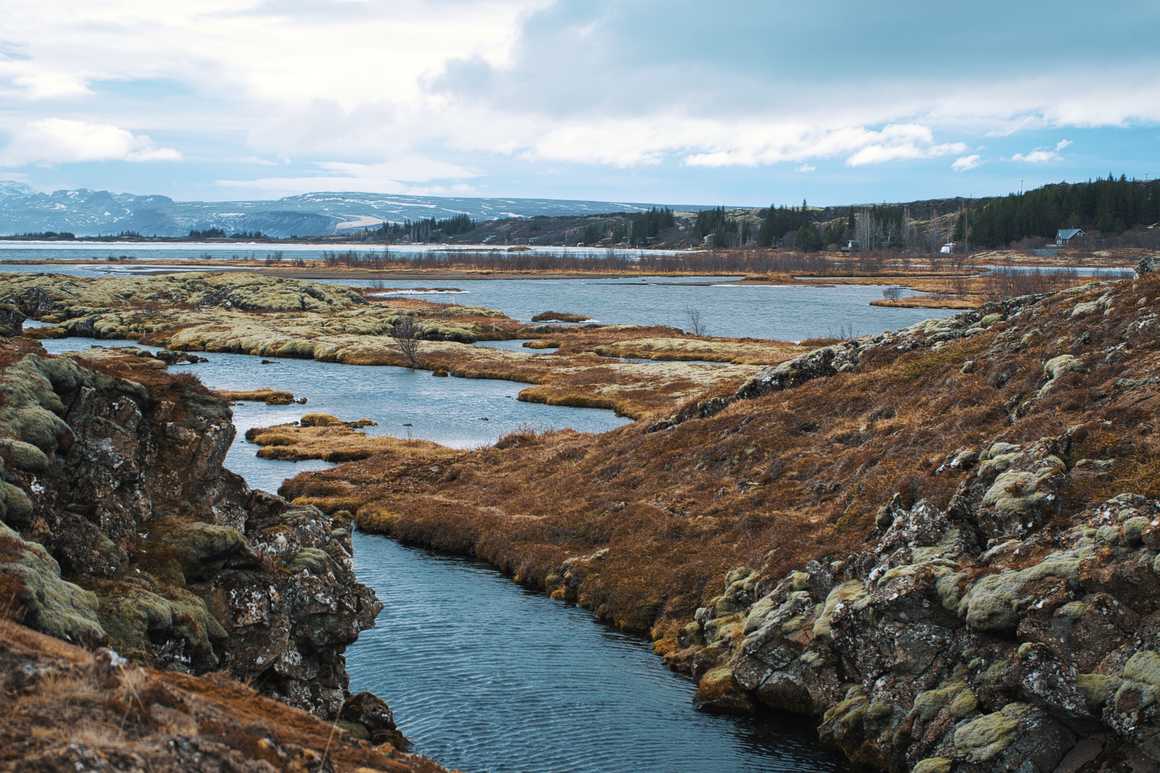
(357, 81)
(19, 80)
(966, 163)
(1043, 155)
(413, 174)
(61, 140)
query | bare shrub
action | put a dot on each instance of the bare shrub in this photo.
(696, 322)
(1007, 282)
(892, 293)
(405, 333)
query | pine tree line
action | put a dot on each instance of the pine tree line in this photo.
(1109, 206)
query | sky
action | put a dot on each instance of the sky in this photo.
(740, 102)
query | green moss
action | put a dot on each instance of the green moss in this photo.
(1144, 667)
(50, 604)
(933, 765)
(15, 506)
(136, 616)
(956, 697)
(23, 456)
(948, 589)
(1141, 680)
(994, 602)
(1097, 688)
(201, 549)
(845, 717)
(852, 593)
(1134, 529)
(986, 737)
(310, 560)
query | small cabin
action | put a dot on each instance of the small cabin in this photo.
(851, 246)
(1066, 236)
(950, 248)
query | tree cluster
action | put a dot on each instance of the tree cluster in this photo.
(428, 229)
(1109, 206)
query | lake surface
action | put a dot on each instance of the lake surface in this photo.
(456, 412)
(727, 308)
(288, 251)
(481, 674)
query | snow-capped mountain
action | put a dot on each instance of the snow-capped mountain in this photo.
(95, 213)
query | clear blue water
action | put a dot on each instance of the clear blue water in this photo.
(516, 345)
(785, 312)
(456, 412)
(482, 675)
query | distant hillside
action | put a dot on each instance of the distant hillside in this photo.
(86, 212)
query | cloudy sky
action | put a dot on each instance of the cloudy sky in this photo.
(681, 101)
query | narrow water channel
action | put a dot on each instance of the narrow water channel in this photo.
(483, 675)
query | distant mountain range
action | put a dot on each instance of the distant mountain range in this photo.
(100, 213)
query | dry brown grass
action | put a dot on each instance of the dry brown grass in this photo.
(72, 708)
(771, 482)
(265, 395)
(337, 442)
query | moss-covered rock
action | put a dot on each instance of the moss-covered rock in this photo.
(15, 505)
(22, 456)
(201, 549)
(717, 691)
(41, 598)
(985, 737)
(956, 697)
(174, 631)
(995, 602)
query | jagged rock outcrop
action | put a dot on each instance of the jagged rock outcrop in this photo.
(845, 356)
(11, 320)
(969, 638)
(123, 528)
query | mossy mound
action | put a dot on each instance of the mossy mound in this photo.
(30, 577)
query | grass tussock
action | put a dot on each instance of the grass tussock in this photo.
(319, 436)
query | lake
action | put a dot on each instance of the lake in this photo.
(727, 308)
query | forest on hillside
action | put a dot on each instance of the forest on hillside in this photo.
(1108, 206)
(1113, 211)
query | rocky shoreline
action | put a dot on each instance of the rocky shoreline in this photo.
(119, 528)
(938, 542)
(990, 609)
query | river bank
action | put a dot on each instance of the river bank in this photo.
(864, 535)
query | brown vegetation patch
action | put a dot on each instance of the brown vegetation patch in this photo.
(336, 441)
(68, 709)
(265, 395)
(642, 526)
(560, 316)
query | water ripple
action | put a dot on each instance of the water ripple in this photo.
(485, 676)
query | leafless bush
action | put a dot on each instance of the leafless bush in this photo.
(892, 293)
(1012, 282)
(405, 333)
(696, 322)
